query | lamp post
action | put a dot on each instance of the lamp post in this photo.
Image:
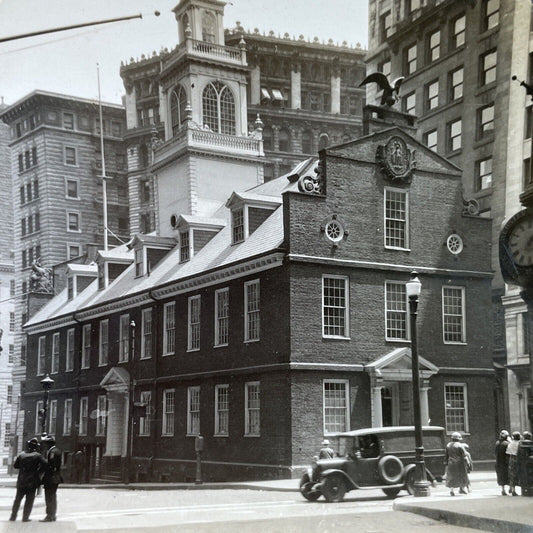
(47, 383)
(129, 441)
(421, 485)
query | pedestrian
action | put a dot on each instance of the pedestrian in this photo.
(52, 477)
(326, 452)
(78, 462)
(30, 465)
(502, 460)
(512, 451)
(455, 460)
(522, 458)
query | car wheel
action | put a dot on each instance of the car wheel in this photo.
(305, 489)
(391, 493)
(334, 488)
(390, 469)
(410, 481)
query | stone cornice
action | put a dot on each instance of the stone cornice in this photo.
(353, 263)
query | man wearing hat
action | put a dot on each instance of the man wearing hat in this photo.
(326, 452)
(30, 465)
(52, 477)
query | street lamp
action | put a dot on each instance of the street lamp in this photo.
(131, 392)
(47, 383)
(421, 485)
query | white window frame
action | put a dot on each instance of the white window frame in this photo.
(124, 339)
(463, 314)
(86, 346)
(406, 312)
(101, 414)
(169, 328)
(346, 384)
(346, 280)
(77, 213)
(39, 405)
(146, 333)
(464, 388)
(41, 355)
(52, 423)
(54, 366)
(193, 323)
(77, 182)
(67, 417)
(75, 164)
(103, 347)
(236, 237)
(84, 415)
(255, 313)
(72, 245)
(193, 411)
(249, 431)
(145, 422)
(168, 422)
(386, 233)
(69, 355)
(222, 411)
(222, 317)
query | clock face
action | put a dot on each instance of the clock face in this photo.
(521, 242)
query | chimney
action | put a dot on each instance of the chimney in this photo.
(378, 118)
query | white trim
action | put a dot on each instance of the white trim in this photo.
(124, 341)
(407, 316)
(246, 314)
(465, 398)
(77, 182)
(84, 415)
(85, 348)
(38, 406)
(190, 305)
(68, 402)
(55, 353)
(144, 313)
(190, 392)
(78, 214)
(164, 429)
(101, 412)
(75, 148)
(463, 314)
(346, 335)
(247, 430)
(100, 343)
(70, 368)
(346, 382)
(217, 327)
(165, 350)
(217, 432)
(52, 415)
(407, 225)
(41, 355)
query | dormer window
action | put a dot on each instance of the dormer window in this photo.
(237, 225)
(185, 246)
(101, 276)
(70, 288)
(139, 263)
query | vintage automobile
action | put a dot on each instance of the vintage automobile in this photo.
(375, 458)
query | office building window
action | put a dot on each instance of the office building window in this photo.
(52, 423)
(7, 435)
(488, 63)
(103, 349)
(456, 83)
(455, 407)
(41, 356)
(145, 421)
(409, 103)
(169, 324)
(251, 311)
(84, 415)
(124, 336)
(410, 59)
(168, 413)
(336, 406)
(70, 156)
(335, 306)
(101, 414)
(432, 95)
(9, 394)
(193, 337)
(68, 121)
(221, 317)
(485, 120)
(396, 315)
(431, 139)
(458, 31)
(453, 315)
(11, 356)
(86, 346)
(67, 417)
(385, 67)
(454, 135)
(55, 354)
(491, 14)
(385, 26)
(396, 219)
(71, 186)
(69, 362)
(73, 251)
(252, 413)
(73, 222)
(434, 46)
(146, 339)
(222, 410)
(193, 411)
(484, 174)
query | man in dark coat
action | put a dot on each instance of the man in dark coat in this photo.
(52, 477)
(30, 465)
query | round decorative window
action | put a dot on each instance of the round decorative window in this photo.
(455, 244)
(334, 231)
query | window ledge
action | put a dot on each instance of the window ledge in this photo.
(403, 341)
(251, 436)
(336, 338)
(251, 340)
(220, 345)
(220, 436)
(455, 343)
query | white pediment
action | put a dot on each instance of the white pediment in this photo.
(397, 366)
(117, 379)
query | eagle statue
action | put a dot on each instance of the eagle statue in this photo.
(390, 92)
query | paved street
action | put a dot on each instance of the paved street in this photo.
(228, 510)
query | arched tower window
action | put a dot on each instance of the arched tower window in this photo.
(178, 103)
(323, 141)
(218, 106)
(208, 27)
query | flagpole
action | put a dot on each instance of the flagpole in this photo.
(104, 188)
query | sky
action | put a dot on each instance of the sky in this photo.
(66, 62)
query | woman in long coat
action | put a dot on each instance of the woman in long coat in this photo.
(456, 465)
(502, 460)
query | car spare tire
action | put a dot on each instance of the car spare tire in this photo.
(390, 469)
